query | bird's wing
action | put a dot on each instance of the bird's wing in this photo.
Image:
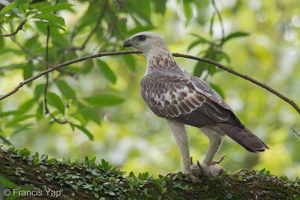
(184, 98)
(191, 101)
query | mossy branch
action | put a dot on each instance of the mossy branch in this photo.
(40, 177)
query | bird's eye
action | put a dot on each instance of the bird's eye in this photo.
(142, 38)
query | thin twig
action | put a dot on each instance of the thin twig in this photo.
(96, 26)
(56, 67)
(47, 82)
(221, 21)
(295, 132)
(47, 79)
(37, 57)
(47, 75)
(20, 27)
(27, 51)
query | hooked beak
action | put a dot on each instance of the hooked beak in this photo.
(127, 43)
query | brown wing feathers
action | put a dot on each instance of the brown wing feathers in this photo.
(193, 102)
(244, 137)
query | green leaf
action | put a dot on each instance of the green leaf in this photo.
(87, 113)
(160, 6)
(23, 7)
(27, 105)
(87, 66)
(66, 90)
(1, 42)
(51, 17)
(39, 111)
(54, 8)
(32, 42)
(222, 55)
(5, 183)
(199, 41)
(4, 140)
(9, 7)
(13, 5)
(139, 29)
(193, 44)
(106, 71)
(130, 61)
(83, 129)
(28, 71)
(104, 100)
(218, 90)
(234, 35)
(199, 68)
(21, 128)
(187, 10)
(9, 113)
(40, 5)
(43, 24)
(54, 100)
(36, 160)
(105, 164)
(144, 13)
(38, 91)
(17, 119)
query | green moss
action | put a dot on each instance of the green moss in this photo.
(87, 179)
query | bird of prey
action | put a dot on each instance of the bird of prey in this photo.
(181, 98)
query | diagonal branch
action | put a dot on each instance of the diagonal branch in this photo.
(289, 101)
(56, 67)
(20, 27)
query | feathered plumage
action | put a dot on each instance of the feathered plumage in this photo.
(181, 98)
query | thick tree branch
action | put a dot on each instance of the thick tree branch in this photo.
(85, 179)
(56, 67)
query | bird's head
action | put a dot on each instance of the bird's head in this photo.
(145, 42)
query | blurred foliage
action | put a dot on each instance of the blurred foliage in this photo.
(99, 98)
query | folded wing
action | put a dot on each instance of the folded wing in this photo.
(192, 101)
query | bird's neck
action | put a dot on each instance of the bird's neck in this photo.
(160, 59)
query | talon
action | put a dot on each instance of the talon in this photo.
(191, 160)
(201, 169)
(194, 178)
(219, 161)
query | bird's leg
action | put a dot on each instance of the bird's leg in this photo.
(215, 141)
(208, 167)
(181, 137)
